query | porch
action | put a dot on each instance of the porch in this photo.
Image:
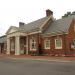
(17, 43)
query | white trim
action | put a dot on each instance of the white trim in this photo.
(45, 42)
(11, 27)
(46, 22)
(34, 32)
(50, 35)
(56, 45)
(16, 34)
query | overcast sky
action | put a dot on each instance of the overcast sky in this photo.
(14, 11)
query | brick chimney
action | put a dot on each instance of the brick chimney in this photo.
(49, 12)
(21, 24)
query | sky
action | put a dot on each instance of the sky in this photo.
(14, 11)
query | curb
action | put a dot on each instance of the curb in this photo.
(49, 60)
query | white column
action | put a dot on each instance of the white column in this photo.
(17, 45)
(27, 45)
(8, 46)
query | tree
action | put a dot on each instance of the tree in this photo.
(67, 14)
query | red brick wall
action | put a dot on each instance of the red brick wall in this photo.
(52, 50)
(70, 37)
(66, 43)
(66, 40)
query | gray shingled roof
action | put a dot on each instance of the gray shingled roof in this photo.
(30, 27)
(59, 26)
(33, 25)
(55, 27)
(3, 39)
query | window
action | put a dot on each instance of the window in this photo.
(47, 44)
(73, 44)
(32, 44)
(58, 43)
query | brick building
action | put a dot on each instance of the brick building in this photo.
(44, 36)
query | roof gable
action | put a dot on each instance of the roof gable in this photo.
(12, 29)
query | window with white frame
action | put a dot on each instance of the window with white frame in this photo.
(73, 44)
(32, 44)
(58, 43)
(47, 44)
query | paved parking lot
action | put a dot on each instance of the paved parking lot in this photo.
(35, 67)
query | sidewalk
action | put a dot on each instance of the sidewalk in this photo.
(46, 58)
